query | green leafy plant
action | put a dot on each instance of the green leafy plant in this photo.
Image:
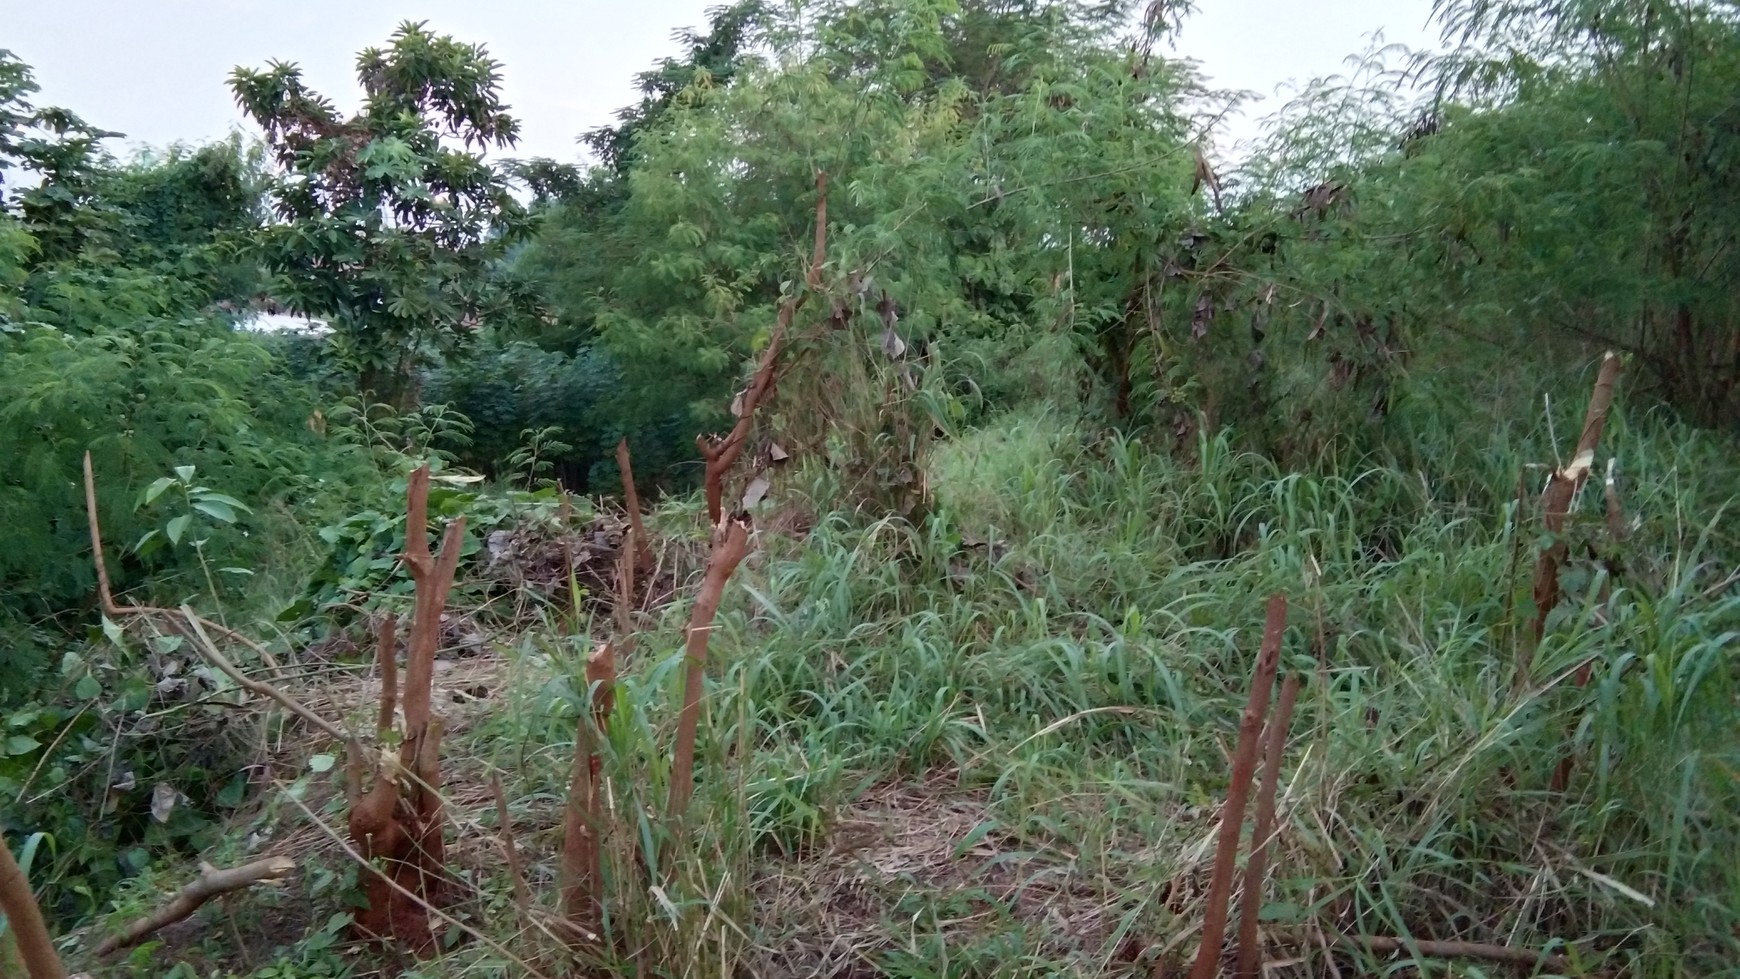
(197, 502)
(531, 462)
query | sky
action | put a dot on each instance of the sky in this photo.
(156, 69)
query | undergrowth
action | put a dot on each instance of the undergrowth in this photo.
(992, 744)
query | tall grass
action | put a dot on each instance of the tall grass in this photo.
(991, 744)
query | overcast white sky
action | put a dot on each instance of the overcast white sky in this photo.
(156, 69)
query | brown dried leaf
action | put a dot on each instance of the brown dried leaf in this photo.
(1202, 317)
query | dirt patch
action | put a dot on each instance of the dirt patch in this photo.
(927, 857)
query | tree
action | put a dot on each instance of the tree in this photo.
(391, 223)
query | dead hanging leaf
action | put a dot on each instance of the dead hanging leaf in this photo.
(1203, 316)
(892, 346)
(317, 422)
(162, 801)
(777, 453)
(1322, 318)
(1204, 176)
(756, 492)
(737, 405)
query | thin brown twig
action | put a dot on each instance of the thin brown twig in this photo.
(1430, 949)
(1561, 492)
(106, 597)
(387, 659)
(582, 872)
(631, 500)
(522, 893)
(721, 453)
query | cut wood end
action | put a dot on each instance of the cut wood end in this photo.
(277, 867)
(1579, 466)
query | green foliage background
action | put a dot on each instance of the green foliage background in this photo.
(1065, 357)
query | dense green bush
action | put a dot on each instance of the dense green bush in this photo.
(512, 389)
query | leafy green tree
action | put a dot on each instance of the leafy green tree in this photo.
(966, 205)
(390, 223)
(1589, 153)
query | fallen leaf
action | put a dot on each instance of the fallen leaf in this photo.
(756, 492)
(162, 801)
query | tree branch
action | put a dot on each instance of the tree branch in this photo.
(211, 883)
(730, 543)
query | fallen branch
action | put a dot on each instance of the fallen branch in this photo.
(730, 544)
(212, 882)
(35, 946)
(1429, 949)
(1232, 815)
(1251, 900)
(209, 650)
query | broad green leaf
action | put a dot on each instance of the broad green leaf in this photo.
(177, 527)
(185, 472)
(226, 500)
(21, 744)
(87, 688)
(321, 763)
(216, 509)
(156, 489)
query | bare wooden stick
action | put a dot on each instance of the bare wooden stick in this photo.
(104, 595)
(1232, 815)
(434, 579)
(107, 599)
(730, 544)
(212, 882)
(1251, 900)
(631, 500)
(522, 893)
(35, 946)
